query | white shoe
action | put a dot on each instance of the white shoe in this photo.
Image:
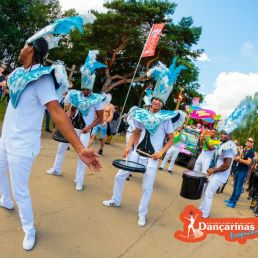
(8, 206)
(79, 186)
(29, 241)
(141, 221)
(52, 171)
(110, 203)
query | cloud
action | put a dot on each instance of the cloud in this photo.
(230, 89)
(203, 58)
(82, 6)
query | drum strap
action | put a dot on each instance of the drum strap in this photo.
(145, 145)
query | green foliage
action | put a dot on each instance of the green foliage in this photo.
(120, 35)
(19, 20)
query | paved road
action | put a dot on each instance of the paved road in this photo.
(75, 224)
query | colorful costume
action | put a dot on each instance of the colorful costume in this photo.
(153, 127)
(88, 106)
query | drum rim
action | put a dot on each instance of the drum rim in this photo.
(141, 169)
(203, 175)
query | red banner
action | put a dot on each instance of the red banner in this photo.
(153, 39)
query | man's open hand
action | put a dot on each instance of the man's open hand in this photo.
(90, 158)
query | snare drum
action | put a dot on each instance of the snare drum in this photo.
(57, 136)
(193, 184)
(129, 166)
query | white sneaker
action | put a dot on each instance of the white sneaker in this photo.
(52, 171)
(110, 203)
(8, 206)
(79, 186)
(141, 221)
(29, 241)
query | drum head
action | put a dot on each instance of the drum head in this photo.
(190, 173)
(129, 166)
(57, 136)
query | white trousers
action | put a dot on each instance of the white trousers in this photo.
(147, 182)
(203, 162)
(59, 159)
(171, 154)
(19, 169)
(206, 202)
(128, 137)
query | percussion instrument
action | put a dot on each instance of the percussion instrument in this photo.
(193, 184)
(129, 165)
(57, 136)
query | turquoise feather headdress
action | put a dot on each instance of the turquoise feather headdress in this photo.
(52, 32)
(88, 70)
(165, 78)
(238, 116)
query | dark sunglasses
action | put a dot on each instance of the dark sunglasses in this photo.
(250, 141)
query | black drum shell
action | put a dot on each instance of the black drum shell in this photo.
(192, 186)
(57, 136)
(116, 164)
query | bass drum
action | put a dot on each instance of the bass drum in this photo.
(193, 185)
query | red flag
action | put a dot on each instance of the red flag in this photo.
(153, 39)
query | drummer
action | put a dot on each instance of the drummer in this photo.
(151, 126)
(209, 144)
(220, 173)
(86, 105)
(173, 151)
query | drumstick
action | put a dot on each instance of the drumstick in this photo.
(145, 153)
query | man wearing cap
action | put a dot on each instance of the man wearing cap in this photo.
(32, 88)
(244, 160)
(88, 104)
(151, 127)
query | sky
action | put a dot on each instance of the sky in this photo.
(229, 65)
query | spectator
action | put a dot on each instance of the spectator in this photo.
(244, 160)
(111, 128)
(2, 79)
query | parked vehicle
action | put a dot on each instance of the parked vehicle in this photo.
(190, 148)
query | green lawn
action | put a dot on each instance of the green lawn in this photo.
(2, 110)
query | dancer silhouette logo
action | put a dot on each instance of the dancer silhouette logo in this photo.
(196, 228)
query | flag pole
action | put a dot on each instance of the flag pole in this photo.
(120, 118)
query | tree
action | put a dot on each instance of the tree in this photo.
(120, 35)
(19, 19)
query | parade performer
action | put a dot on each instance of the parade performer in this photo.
(173, 151)
(151, 126)
(219, 174)
(90, 107)
(209, 143)
(32, 88)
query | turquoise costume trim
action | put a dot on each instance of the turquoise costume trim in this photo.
(76, 98)
(152, 121)
(20, 78)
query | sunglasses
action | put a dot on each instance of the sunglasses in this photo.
(250, 141)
